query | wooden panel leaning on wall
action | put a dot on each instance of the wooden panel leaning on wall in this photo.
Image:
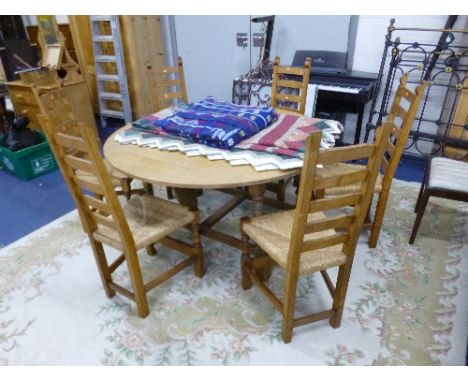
(142, 44)
(141, 222)
(309, 238)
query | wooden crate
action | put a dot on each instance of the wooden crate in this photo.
(142, 45)
(24, 102)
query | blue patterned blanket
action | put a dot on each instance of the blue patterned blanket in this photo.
(211, 122)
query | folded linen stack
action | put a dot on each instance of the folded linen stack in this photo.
(212, 122)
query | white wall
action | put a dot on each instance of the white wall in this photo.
(212, 60)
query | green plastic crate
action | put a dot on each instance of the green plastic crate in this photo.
(29, 163)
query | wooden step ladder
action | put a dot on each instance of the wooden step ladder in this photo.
(111, 79)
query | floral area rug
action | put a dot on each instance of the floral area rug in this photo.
(406, 305)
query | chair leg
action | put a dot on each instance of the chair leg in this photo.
(103, 266)
(281, 191)
(421, 191)
(151, 250)
(420, 212)
(289, 306)
(340, 294)
(378, 218)
(199, 266)
(246, 261)
(170, 193)
(137, 283)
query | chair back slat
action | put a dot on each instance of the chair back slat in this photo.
(339, 221)
(70, 142)
(329, 228)
(324, 242)
(97, 204)
(289, 94)
(93, 186)
(348, 153)
(79, 163)
(167, 85)
(341, 179)
(76, 148)
(334, 203)
(104, 220)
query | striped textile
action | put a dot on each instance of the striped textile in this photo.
(288, 134)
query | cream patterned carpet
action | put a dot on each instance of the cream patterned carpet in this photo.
(406, 305)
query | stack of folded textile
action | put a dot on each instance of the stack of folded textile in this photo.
(211, 122)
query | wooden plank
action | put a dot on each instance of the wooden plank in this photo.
(96, 203)
(175, 95)
(341, 179)
(104, 220)
(223, 210)
(288, 97)
(348, 153)
(177, 245)
(313, 317)
(336, 202)
(406, 94)
(169, 273)
(339, 221)
(167, 83)
(328, 241)
(80, 164)
(266, 291)
(289, 84)
(168, 70)
(71, 142)
(291, 70)
(123, 291)
(88, 185)
(399, 111)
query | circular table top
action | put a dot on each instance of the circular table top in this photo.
(176, 169)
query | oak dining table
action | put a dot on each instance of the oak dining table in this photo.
(187, 175)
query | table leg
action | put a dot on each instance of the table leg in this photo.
(256, 192)
(187, 196)
(148, 187)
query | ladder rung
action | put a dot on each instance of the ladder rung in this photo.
(100, 18)
(103, 38)
(112, 113)
(108, 77)
(113, 96)
(102, 58)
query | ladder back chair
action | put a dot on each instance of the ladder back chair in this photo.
(142, 221)
(295, 81)
(309, 239)
(401, 120)
(167, 85)
(55, 107)
(444, 178)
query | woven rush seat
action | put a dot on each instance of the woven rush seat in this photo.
(273, 234)
(149, 219)
(449, 174)
(346, 168)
